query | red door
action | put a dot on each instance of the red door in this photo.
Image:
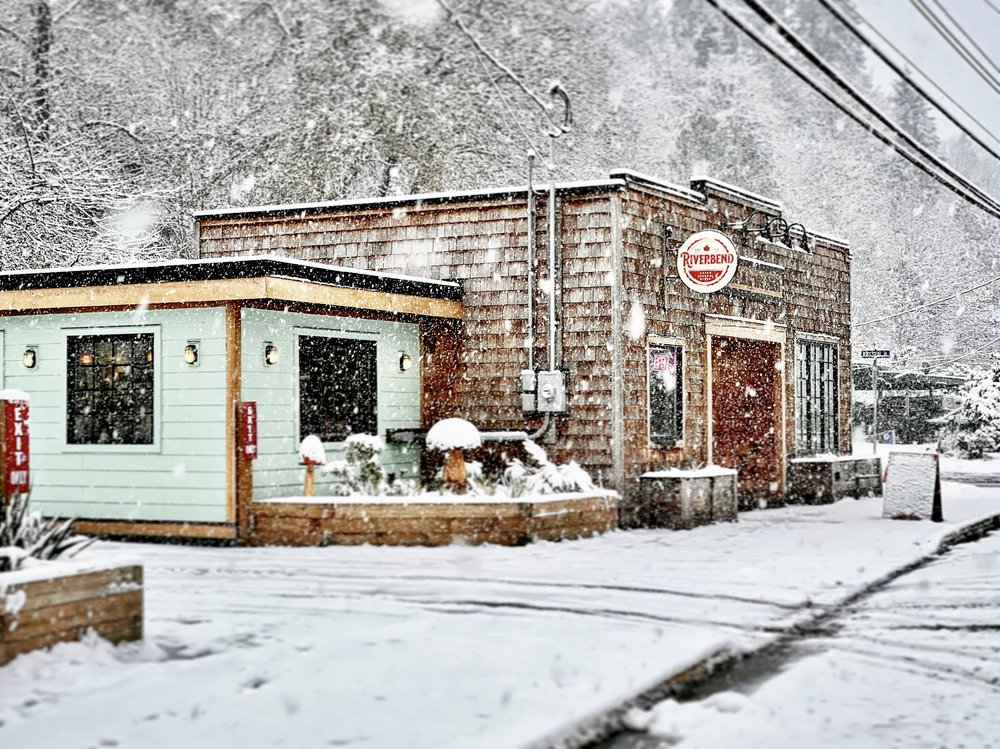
(746, 415)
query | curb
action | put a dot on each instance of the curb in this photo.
(590, 731)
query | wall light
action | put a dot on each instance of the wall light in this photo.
(191, 353)
(270, 353)
(30, 357)
(405, 361)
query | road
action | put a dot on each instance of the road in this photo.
(915, 665)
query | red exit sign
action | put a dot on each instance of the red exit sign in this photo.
(247, 417)
(15, 447)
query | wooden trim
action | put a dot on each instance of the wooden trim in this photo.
(233, 394)
(756, 290)
(226, 290)
(338, 296)
(752, 330)
(617, 345)
(155, 529)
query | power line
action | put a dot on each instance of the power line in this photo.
(965, 355)
(928, 304)
(985, 206)
(788, 35)
(991, 6)
(954, 22)
(898, 70)
(945, 33)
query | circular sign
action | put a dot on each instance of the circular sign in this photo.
(707, 261)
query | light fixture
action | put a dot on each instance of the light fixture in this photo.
(86, 359)
(405, 361)
(270, 354)
(191, 353)
(30, 357)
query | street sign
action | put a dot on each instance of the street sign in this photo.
(875, 354)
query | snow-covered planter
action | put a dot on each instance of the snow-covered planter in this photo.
(45, 600)
(535, 500)
(676, 498)
(45, 603)
(823, 479)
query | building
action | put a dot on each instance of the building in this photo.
(387, 315)
(656, 373)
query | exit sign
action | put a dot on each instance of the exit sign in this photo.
(875, 354)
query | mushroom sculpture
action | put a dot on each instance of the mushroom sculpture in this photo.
(311, 454)
(452, 436)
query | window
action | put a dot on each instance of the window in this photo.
(815, 397)
(109, 389)
(666, 395)
(337, 387)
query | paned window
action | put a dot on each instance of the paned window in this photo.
(337, 387)
(666, 395)
(815, 397)
(109, 389)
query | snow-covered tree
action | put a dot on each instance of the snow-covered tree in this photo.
(975, 430)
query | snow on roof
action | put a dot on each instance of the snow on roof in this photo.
(243, 260)
(429, 197)
(736, 191)
(11, 394)
(682, 192)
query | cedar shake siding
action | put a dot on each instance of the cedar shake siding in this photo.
(617, 242)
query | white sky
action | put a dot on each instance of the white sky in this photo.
(902, 23)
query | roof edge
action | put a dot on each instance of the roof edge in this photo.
(414, 199)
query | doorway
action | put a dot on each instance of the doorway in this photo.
(746, 416)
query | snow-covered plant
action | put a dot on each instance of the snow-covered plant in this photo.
(542, 476)
(975, 429)
(360, 471)
(25, 534)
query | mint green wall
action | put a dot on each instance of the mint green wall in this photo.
(183, 476)
(276, 472)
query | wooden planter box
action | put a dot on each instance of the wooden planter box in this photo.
(825, 479)
(514, 522)
(685, 499)
(39, 607)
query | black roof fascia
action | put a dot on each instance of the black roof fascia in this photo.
(226, 270)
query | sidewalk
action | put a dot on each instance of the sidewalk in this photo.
(448, 647)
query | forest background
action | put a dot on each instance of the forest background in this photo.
(119, 118)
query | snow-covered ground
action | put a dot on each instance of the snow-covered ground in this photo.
(917, 665)
(445, 647)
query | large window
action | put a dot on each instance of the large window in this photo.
(815, 397)
(337, 387)
(666, 395)
(109, 389)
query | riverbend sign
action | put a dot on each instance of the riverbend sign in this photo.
(707, 261)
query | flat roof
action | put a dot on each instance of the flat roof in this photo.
(216, 269)
(455, 196)
(217, 281)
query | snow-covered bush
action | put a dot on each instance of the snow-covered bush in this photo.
(25, 534)
(537, 476)
(975, 429)
(542, 476)
(360, 471)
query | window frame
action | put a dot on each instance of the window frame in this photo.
(651, 343)
(302, 332)
(806, 441)
(114, 330)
